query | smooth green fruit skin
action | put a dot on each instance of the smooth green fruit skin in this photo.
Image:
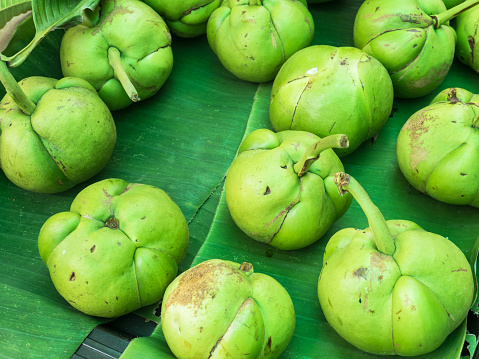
(401, 35)
(466, 29)
(215, 310)
(253, 41)
(68, 139)
(270, 203)
(185, 18)
(329, 90)
(144, 42)
(438, 148)
(109, 272)
(405, 304)
(451, 3)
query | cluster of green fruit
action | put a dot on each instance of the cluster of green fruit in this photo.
(120, 245)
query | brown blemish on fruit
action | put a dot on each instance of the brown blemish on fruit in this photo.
(460, 270)
(194, 286)
(267, 348)
(361, 273)
(268, 191)
(92, 249)
(416, 128)
(72, 277)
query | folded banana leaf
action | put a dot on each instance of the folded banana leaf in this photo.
(183, 140)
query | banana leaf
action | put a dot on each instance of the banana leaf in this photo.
(183, 140)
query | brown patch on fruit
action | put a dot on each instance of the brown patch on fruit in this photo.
(472, 44)
(361, 273)
(72, 277)
(197, 284)
(416, 128)
(267, 348)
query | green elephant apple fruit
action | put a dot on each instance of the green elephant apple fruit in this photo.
(411, 38)
(467, 50)
(407, 288)
(332, 90)
(185, 18)
(117, 249)
(125, 54)
(221, 309)
(438, 148)
(54, 134)
(280, 189)
(253, 38)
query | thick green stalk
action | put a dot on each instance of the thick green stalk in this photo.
(255, 2)
(314, 151)
(14, 90)
(382, 236)
(447, 15)
(114, 59)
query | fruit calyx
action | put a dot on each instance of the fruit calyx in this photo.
(112, 223)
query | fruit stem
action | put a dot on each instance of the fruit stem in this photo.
(381, 234)
(314, 151)
(255, 2)
(447, 15)
(114, 59)
(14, 90)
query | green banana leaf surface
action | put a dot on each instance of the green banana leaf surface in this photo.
(183, 140)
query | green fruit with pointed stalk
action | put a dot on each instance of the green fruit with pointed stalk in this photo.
(467, 50)
(185, 18)
(117, 249)
(332, 90)
(125, 54)
(54, 134)
(406, 288)
(221, 309)
(438, 148)
(411, 38)
(253, 38)
(280, 190)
